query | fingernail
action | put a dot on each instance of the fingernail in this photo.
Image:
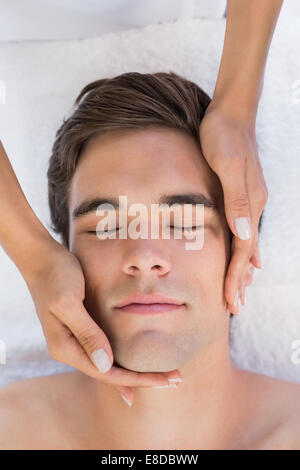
(242, 226)
(166, 386)
(101, 360)
(126, 399)
(178, 379)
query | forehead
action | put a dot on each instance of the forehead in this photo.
(141, 163)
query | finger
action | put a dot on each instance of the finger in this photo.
(238, 264)
(237, 271)
(122, 376)
(241, 298)
(255, 258)
(243, 295)
(248, 279)
(232, 175)
(67, 348)
(245, 251)
(91, 338)
(258, 199)
(127, 395)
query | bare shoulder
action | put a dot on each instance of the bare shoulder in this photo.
(30, 407)
(277, 401)
(287, 401)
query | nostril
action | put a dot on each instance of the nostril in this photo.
(132, 268)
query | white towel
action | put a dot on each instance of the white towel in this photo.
(71, 19)
(42, 80)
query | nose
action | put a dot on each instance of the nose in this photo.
(145, 262)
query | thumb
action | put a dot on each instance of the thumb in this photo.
(92, 338)
(236, 201)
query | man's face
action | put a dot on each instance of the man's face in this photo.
(143, 165)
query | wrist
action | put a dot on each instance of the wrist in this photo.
(239, 113)
(36, 252)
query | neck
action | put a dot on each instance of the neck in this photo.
(203, 412)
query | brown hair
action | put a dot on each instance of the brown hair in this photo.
(128, 101)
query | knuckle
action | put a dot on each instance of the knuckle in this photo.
(88, 339)
(239, 202)
(56, 340)
(225, 164)
(261, 198)
(53, 350)
(63, 302)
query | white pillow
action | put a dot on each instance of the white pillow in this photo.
(42, 80)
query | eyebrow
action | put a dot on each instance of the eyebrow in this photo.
(90, 205)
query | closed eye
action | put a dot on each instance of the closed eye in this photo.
(194, 227)
(186, 228)
(102, 231)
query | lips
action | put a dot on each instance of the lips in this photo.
(149, 304)
(148, 299)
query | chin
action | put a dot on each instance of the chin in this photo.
(138, 364)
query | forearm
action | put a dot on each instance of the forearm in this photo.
(249, 29)
(22, 234)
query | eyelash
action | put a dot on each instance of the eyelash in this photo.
(171, 226)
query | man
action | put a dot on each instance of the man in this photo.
(137, 135)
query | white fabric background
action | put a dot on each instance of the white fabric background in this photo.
(42, 80)
(61, 19)
(70, 19)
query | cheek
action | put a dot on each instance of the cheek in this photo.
(97, 261)
(208, 265)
